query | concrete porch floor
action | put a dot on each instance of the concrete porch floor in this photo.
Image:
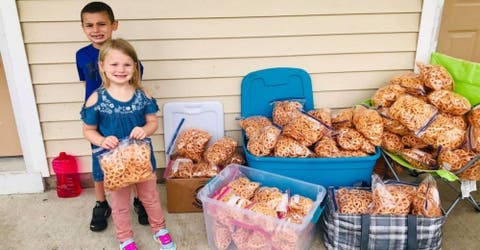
(45, 222)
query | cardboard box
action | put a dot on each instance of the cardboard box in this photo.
(182, 194)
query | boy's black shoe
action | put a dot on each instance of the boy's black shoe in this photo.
(140, 210)
(101, 212)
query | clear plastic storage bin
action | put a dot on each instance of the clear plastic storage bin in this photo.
(224, 221)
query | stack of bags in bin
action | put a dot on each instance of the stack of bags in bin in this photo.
(391, 199)
(317, 133)
(390, 213)
(261, 232)
(192, 157)
(428, 124)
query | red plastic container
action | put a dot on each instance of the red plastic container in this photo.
(68, 179)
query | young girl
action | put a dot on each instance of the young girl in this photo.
(98, 24)
(120, 108)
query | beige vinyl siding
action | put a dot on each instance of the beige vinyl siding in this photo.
(200, 50)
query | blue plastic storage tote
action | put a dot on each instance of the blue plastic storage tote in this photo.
(259, 90)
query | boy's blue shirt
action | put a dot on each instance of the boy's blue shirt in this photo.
(87, 67)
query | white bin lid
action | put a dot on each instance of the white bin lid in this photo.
(206, 115)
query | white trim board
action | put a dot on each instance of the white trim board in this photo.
(23, 102)
(429, 27)
(16, 182)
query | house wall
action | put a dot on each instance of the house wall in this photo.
(200, 50)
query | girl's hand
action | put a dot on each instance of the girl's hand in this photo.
(138, 133)
(110, 142)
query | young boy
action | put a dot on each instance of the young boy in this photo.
(98, 24)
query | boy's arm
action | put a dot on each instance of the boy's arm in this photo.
(141, 69)
(78, 60)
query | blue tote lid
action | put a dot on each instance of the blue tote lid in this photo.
(260, 88)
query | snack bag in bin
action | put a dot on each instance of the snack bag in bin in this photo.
(427, 201)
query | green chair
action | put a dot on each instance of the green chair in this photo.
(466, 76)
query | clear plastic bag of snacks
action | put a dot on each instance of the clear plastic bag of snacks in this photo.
(342, 118)
(412, 112)
(191, 143)
(205, 169)
(391, 199)
(269, 195)
(127, 164)
(220, 151)
(263, 142)
(180, 168)
(427, 199)
(411, 82)
(236, 158)
(253, 124)
(443, 132)
(285, 111)
(385, 96)
(300, 205)
(474, 138)
(460, 121)
(305, 129)
(394, 126)
(326, 147)
(392, 142)
(474, 116)
(455, 160)
(435, 77)
(288, 147)
(419, 159)
(353, 201)
(413, 141)
(449, 102)
(322, 114)
(241, 186)
(369, 123)
(350, 139)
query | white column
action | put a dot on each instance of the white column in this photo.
(19, 82)
(429, 28)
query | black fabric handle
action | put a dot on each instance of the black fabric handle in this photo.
(412, 232)
(365, 232)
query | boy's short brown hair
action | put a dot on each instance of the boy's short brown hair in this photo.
(95, 7)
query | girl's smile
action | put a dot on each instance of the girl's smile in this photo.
(118, 67)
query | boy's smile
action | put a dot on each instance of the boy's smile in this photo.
(98, 27)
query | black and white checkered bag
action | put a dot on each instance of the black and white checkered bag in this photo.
(350, 231)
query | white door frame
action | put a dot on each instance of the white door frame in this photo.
(20, 87)
(429, 28)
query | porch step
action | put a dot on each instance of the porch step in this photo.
(8, 164)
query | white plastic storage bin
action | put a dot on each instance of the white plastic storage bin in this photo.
(224, 221)
(177, 116)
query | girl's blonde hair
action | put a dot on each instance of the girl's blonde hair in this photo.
(126, 48)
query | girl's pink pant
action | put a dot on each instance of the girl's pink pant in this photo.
(121, 203)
